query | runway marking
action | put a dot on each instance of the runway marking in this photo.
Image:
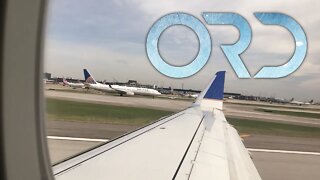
(244, 135)
(284, 151)
(249, 149)
(76, 139)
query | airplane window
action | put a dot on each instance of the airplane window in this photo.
(102, 91)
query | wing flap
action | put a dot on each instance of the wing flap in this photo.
(220, 153)
(210, 159)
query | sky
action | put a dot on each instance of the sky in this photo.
(109, 39)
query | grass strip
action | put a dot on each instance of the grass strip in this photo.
(65, 110)
(290, 113)
(275, 106)
(89, 112)
(245, 126)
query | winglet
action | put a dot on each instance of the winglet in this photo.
(88, 78)
(212, 96)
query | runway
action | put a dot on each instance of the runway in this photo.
(61, 149)
(89, 130)
(271, 165)
(279, 166)
(110, 131)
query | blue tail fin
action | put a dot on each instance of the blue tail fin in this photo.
(212, 96)
(216, 89)
(87, 77)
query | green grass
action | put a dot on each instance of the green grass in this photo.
(64, 110)
(275, 106)
(290, 113)
(245, 126)
(89, 112)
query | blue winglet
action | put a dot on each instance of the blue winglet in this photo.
(216, 89)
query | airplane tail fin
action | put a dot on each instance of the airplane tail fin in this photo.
(88, 78)
(311, 101)
(65, 82)
(212, 96)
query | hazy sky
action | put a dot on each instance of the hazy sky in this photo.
(108, 38)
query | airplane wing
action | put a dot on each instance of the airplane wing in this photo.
(196, 143)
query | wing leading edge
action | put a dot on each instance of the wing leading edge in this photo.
(196, 143)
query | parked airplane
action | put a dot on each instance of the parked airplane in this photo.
(47, 81)
(191, 95)
(301, 103)
(310, 102)
(194, 95)
(196, 143)
(297, 103)
(119, 89)
(74, 85)
(92, 84)
(134, 90)
(281, 100)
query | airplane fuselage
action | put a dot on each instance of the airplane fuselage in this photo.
(74, 85)
(297, 103)
(100, 87)
(137, 90)
(124, 89)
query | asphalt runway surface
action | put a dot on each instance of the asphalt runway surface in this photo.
(279, 166)
(111, 131)
(271, 166)
(62, 149)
